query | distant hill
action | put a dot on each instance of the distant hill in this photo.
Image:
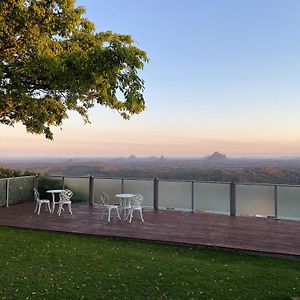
(217, 157)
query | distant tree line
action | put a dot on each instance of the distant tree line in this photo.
(266, 174)
(180, 170)
(7, 173)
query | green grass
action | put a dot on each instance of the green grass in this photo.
(46, 265)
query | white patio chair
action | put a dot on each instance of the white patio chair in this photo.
(65, 198)
(40, 201)
(106, 203)
(136, 204)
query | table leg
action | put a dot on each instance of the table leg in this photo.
(53, 202)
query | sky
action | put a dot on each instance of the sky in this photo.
(223, 76)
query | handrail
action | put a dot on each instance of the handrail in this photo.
(267, 184)
(17, 177)
(140, 179)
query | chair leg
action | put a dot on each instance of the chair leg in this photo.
(141, 214)
(36, 206)
(53, 207)
(70, 209)
(131, 215)
(48, 205)
(109, 210)
(59, 209)
(118, 213)
(39, 209)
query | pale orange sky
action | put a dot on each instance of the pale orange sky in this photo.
(110, 135)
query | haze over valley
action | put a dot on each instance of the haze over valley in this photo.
(214, 167)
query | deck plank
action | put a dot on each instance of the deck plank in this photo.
(262, 235)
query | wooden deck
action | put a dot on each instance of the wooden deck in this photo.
(261, 235)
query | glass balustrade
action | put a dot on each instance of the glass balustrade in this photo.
(2, 192)
(251, 199)
(255, 200)
(288, 202)
(46, 183)
(212, 197)
(143, 187)
(175, 194)
(109, 186)
(20, 190)
(79, 187)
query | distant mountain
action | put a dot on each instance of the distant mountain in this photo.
(152, 157)
(132, 157)
(217, 157)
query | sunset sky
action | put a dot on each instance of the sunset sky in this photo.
(223, 75)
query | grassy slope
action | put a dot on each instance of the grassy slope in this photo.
(45, 265)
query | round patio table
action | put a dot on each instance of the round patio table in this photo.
(53, 192)
(124, 202)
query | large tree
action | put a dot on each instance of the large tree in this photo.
(52, 62)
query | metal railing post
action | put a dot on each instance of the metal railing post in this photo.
(36, 182)
(34, 186)
(122, 186)
(91, 190)
(193, 204)
(7, 192)
(232, 198)
(276, 201)
(155, 193)
(63, 182)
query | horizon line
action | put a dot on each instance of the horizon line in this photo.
(133, 156)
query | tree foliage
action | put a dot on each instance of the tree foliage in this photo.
(8, 173)
(52, 62)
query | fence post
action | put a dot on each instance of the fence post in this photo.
(122, 186)
(7, 192)
(232, 198)
(91, 190)
(36, 181)
(63, 182)
(193, 204)
(276, 201)
(155, 193)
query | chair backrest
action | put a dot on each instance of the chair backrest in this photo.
(65, 195)
(36, 194)
(137, 200)
(104, 198)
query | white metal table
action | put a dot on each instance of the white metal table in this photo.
(124, 202)
(53, 192)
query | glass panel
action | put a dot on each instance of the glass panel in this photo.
(175, 194)
(2, 192)
(289, 202)
(212, 197)
(79, 187)
(255, 200)
(142, 187)
(20, 190)
(48, 183)
(109, 186)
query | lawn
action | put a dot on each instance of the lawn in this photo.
(48, 265)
